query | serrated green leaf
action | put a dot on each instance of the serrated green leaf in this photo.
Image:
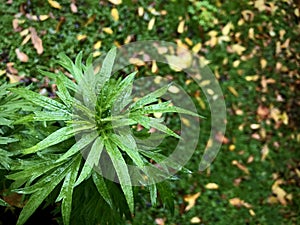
(102, 188)
(106, 69)
(122, 172)
(56, 137)
(128, 145)
(66, 192)
(40, 100)
(91, 161)
(150, 98)
(63, 93)
(84, 141)
(165, 107)
(122, 87)
(50, 116)
(39, 196)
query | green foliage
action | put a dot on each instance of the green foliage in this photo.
(89, 112)
(203, 12)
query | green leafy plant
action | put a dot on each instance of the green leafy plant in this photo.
(91, 113)
(203, 12)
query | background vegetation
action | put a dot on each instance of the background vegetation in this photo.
(253, 49)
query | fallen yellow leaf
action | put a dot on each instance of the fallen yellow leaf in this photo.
(233, 91)
(263, 63)
(239, 49)
(180, 27)
(140, 11)
(211, 186)
(197, 47)
(13, 78)
(240, 166)
(26, 39)
(151, 23)
(279, 192)
(81, 37)
(137, 61)
(97, 45)
(116, 2)
(73, 7)
(54, 4)
(108, 30)
(195, 220)
(191, 200)
(154, 67)
(115, 14)
(237, 202)
(226, 29)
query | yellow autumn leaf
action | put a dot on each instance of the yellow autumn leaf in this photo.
(96, 54)
(188, 41)
(116, 2)
(180, 27)
(237, 202)
(251, 33)
(226, 29)
(197, 47)
(239, 49)
(212, 186)
(195, 220)
(186, 122)
(108, 30)
(137, 61)
(263, 63)
(26, 39)
(279, 192)
(233, 91)
(154, 67)
(115, 14)
(151, 23)
(13, 78)
(191, 200)
(54, 4)
(236, 63)
(97, 45)
(81, 37)
(140, 11)
(2, 72)
(260, 5)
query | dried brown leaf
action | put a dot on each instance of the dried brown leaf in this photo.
(36, 41)
(21, 56)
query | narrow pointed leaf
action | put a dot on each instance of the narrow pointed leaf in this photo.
(40, 100)
(84, 141)
(102, 188)
(38, 197)
(128, 145)
(66, 192)
(91, 161)
(150, 98)
(122, 172)
(106, 69)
